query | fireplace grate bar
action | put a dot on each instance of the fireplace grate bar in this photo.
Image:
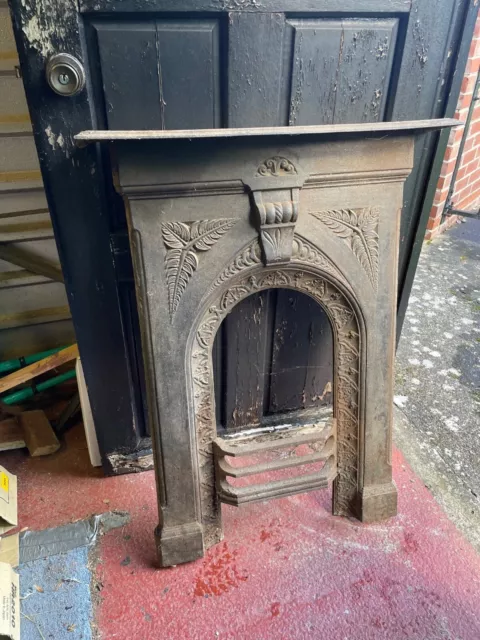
(275, 465)
(266, 441)
(278, 488)
(322, 433)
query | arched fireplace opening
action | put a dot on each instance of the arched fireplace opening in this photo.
(273, 373)
(273, 362)
(319, 447)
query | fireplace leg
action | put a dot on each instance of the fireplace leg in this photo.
(175, 545)
(377, 502)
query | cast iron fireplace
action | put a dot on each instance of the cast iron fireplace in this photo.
(218, 215)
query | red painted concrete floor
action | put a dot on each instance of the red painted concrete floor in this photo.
(286, 569)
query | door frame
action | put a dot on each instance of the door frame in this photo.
(406, 283)
(75, 188)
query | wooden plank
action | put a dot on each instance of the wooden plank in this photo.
(8, 50)
(22, 216)
(341, 70)
(34, 316)
(255, 6)
(11, 435)
(37, 368)
(14, 115)
(29, 299)
(160, 74)
(87, 418)
(257, 80)
(188, 61)
(19, 340)
(41, 250)
(23, 228)
(18, 153)
(39, 435)
(365, 70)
(21, 187)
(302, 358)
(20, 277)
(15, 200)
(316, 59)
(27, 260)
(326, 130)
(20, 176)
(246, 361)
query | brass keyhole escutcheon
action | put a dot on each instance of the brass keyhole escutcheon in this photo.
(65, 74)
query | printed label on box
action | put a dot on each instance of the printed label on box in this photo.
(9, 603)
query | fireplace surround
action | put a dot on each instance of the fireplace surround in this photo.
(218, 215)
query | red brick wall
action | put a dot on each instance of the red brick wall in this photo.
(466, 194)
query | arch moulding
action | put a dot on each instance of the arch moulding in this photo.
(312, 273)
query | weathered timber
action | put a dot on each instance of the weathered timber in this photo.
(37, 431)
(37, 368)
(34, 264)
(333, 129)
(11, 435)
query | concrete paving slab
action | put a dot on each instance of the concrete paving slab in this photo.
(55, 597)
(438, 375)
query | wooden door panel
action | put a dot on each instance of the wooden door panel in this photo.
(160, 74)
(341, 70)
(258, 69)
(128, 61)
(302, 355)
(245, 369)
(188, 64)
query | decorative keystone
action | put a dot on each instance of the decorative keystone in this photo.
(277, 224)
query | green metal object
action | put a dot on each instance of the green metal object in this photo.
(24, 394)
(8, 366)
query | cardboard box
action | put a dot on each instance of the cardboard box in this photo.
(8, 501)
(9, 603)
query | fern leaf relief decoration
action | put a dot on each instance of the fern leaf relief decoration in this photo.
(183, 242)
(359, 228)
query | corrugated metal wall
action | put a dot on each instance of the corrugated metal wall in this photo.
(34, 313)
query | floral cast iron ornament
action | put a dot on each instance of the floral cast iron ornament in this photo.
(183, 242)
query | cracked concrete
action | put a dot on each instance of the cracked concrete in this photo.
(438, 375)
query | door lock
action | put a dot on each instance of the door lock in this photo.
(65, 74)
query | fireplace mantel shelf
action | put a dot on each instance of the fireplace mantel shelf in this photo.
(85, 137)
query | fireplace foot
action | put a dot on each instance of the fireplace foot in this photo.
(176, 545)
(377, 502)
